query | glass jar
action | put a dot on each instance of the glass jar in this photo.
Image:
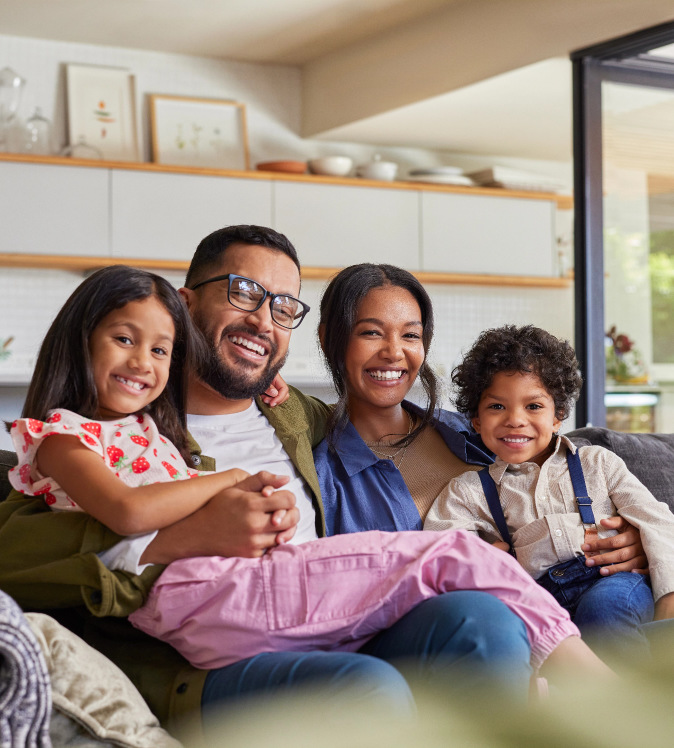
(37, 135)
(11, 85)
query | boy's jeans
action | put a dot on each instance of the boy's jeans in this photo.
(609, 611)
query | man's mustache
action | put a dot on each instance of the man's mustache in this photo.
(234, 329)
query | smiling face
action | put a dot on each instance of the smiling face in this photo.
(131, 356)
(385, 350)
(247, 348)
(516, 418)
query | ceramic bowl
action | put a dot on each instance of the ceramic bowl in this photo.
(286, 167)
(384, 171)
(331, 166)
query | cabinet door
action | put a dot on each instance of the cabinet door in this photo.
(334, 226)
(494, 235)
(53, 210)
(165, 216)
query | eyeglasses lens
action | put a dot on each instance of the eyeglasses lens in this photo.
(284, 310)
(248, 295)
(245, 294)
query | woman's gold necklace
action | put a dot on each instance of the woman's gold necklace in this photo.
(400, 451)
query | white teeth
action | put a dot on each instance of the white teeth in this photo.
(520, 440)
(135, 385)
(386, 374)
(255, 347)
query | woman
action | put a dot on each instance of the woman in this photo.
(375, 330)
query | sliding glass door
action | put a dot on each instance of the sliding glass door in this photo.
(624, 197)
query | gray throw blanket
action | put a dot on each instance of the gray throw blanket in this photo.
(25, 692)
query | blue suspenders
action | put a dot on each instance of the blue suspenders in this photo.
(494, 503)
(583, 501)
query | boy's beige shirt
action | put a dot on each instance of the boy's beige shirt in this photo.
(541, 513)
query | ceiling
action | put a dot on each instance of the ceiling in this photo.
(479, 76)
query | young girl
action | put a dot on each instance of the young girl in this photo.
(517, 384)
(101, 380)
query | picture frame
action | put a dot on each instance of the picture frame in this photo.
(205, 133)
(102, 111)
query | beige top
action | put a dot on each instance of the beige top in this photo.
(541, 513)
(429, 465)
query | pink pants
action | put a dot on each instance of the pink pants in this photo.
(334, 594)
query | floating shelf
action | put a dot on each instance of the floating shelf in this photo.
(79, 264)
(563, 202)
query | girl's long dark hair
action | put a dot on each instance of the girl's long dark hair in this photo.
(339, 307)
(63, 376)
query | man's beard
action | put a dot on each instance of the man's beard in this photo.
(231, 381)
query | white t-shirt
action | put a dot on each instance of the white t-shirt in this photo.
(245, 440)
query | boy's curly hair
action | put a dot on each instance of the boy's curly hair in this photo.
(526, 349)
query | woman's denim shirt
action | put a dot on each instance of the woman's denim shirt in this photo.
(361, 492)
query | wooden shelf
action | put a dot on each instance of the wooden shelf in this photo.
(563, 202)
(85, 264)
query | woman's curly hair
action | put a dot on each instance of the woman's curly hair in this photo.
(526, 349)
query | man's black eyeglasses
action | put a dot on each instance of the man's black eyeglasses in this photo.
(248, 295)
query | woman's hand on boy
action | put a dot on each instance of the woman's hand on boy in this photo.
(623, 552)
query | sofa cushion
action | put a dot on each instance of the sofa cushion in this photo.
(649, 456)
(7, 461)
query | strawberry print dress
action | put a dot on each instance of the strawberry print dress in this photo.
(131, 447)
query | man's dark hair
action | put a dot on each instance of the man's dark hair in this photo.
(527, 350)
(208, 256)
(339, 308)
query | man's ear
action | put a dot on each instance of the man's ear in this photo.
(476, 424)
(188, 296)
(321, 335)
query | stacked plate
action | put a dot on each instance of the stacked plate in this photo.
(440, 175)
(515, 179)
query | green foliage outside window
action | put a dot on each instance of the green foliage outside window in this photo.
(661, 266)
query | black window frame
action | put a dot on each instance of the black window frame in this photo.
(623, 60)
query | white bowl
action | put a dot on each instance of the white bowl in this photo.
(383, 171)
(331, 166)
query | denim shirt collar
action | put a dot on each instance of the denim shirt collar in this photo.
(455, 430)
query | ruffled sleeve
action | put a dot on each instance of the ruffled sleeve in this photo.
(27, 435)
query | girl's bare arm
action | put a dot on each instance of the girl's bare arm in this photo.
(126, 510)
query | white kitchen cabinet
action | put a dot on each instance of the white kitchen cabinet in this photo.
(334, 225)
(70, 214)
(51, 211)
(493, 235)
(165, 216)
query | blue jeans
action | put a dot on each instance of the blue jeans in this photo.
(447, 638)
(609, 611)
